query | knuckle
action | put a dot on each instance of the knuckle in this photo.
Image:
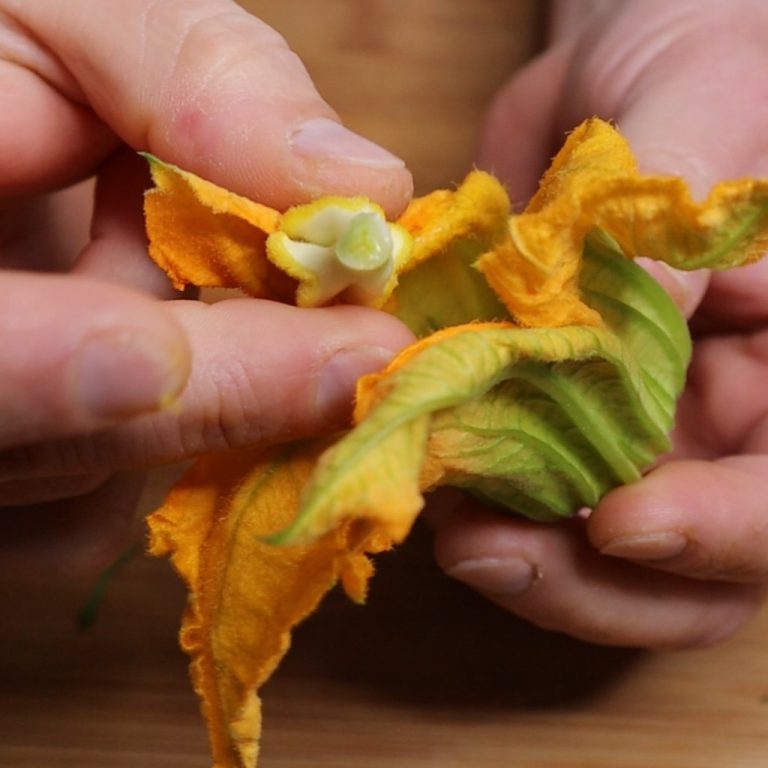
(211, 47)
(234, 412)
(201, 60)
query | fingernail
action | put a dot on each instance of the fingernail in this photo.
(121, 374)
(496, 576)
(338, 377)
(646, 546)
(321, 138)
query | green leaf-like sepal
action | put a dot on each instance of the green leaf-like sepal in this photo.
(542, 421)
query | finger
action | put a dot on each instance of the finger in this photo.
(686, 289)
(735, 301)
(205, 85)
(262, 373)
(117, 251)
(520, 133)
(704, 520)
(76, 355)
(570, 17)
(70, 538)
(723, 409)
(40, 490)
(551, 576)
(48, 140)
(45, 233)
(644, 69)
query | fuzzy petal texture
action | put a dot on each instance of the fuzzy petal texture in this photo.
(203, 235)
(594, 184)
(245, 595)
(441, 286)
(547, 372)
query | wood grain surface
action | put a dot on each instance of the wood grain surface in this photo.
(427, 675)
(415, 75)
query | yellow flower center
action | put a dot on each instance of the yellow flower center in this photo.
(366, 245)
(340, 246)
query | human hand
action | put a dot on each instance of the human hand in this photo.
(89, 356)
(679, 558)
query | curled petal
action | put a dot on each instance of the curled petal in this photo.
(477, 209)
(593, 184)
(540, 420)
(547, 373)
(440, 285)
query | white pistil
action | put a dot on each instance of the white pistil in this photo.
(366, 245)
(340, 249)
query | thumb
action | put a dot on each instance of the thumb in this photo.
(205, 85)
(519, 133)
(649, 67)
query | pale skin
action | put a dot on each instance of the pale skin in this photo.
(89, 353)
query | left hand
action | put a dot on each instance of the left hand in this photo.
(679, 558)
(89, 355)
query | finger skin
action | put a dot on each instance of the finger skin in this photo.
(682, 557)
(696, 530)
(48, 141)
(649, 65)
(703, 520)
(210, 88)
(72, 538)
(701, 514)
(262, 373)
(551, 576)
(117, 249)
(519, 135)
(78, 354)
(41, 490)
(202, 84)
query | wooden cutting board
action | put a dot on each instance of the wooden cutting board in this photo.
(427, 675)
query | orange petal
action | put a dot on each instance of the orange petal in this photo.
(594, 184)
(201, 234)
(245, 595)
(478, 208)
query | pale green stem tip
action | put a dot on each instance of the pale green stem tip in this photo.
(366, 245)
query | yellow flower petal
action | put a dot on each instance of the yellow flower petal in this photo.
(245, 595)
(201, 234)
(477, 209)
(335, 250)
(540, 419)
(451, 229)
(593, 183)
